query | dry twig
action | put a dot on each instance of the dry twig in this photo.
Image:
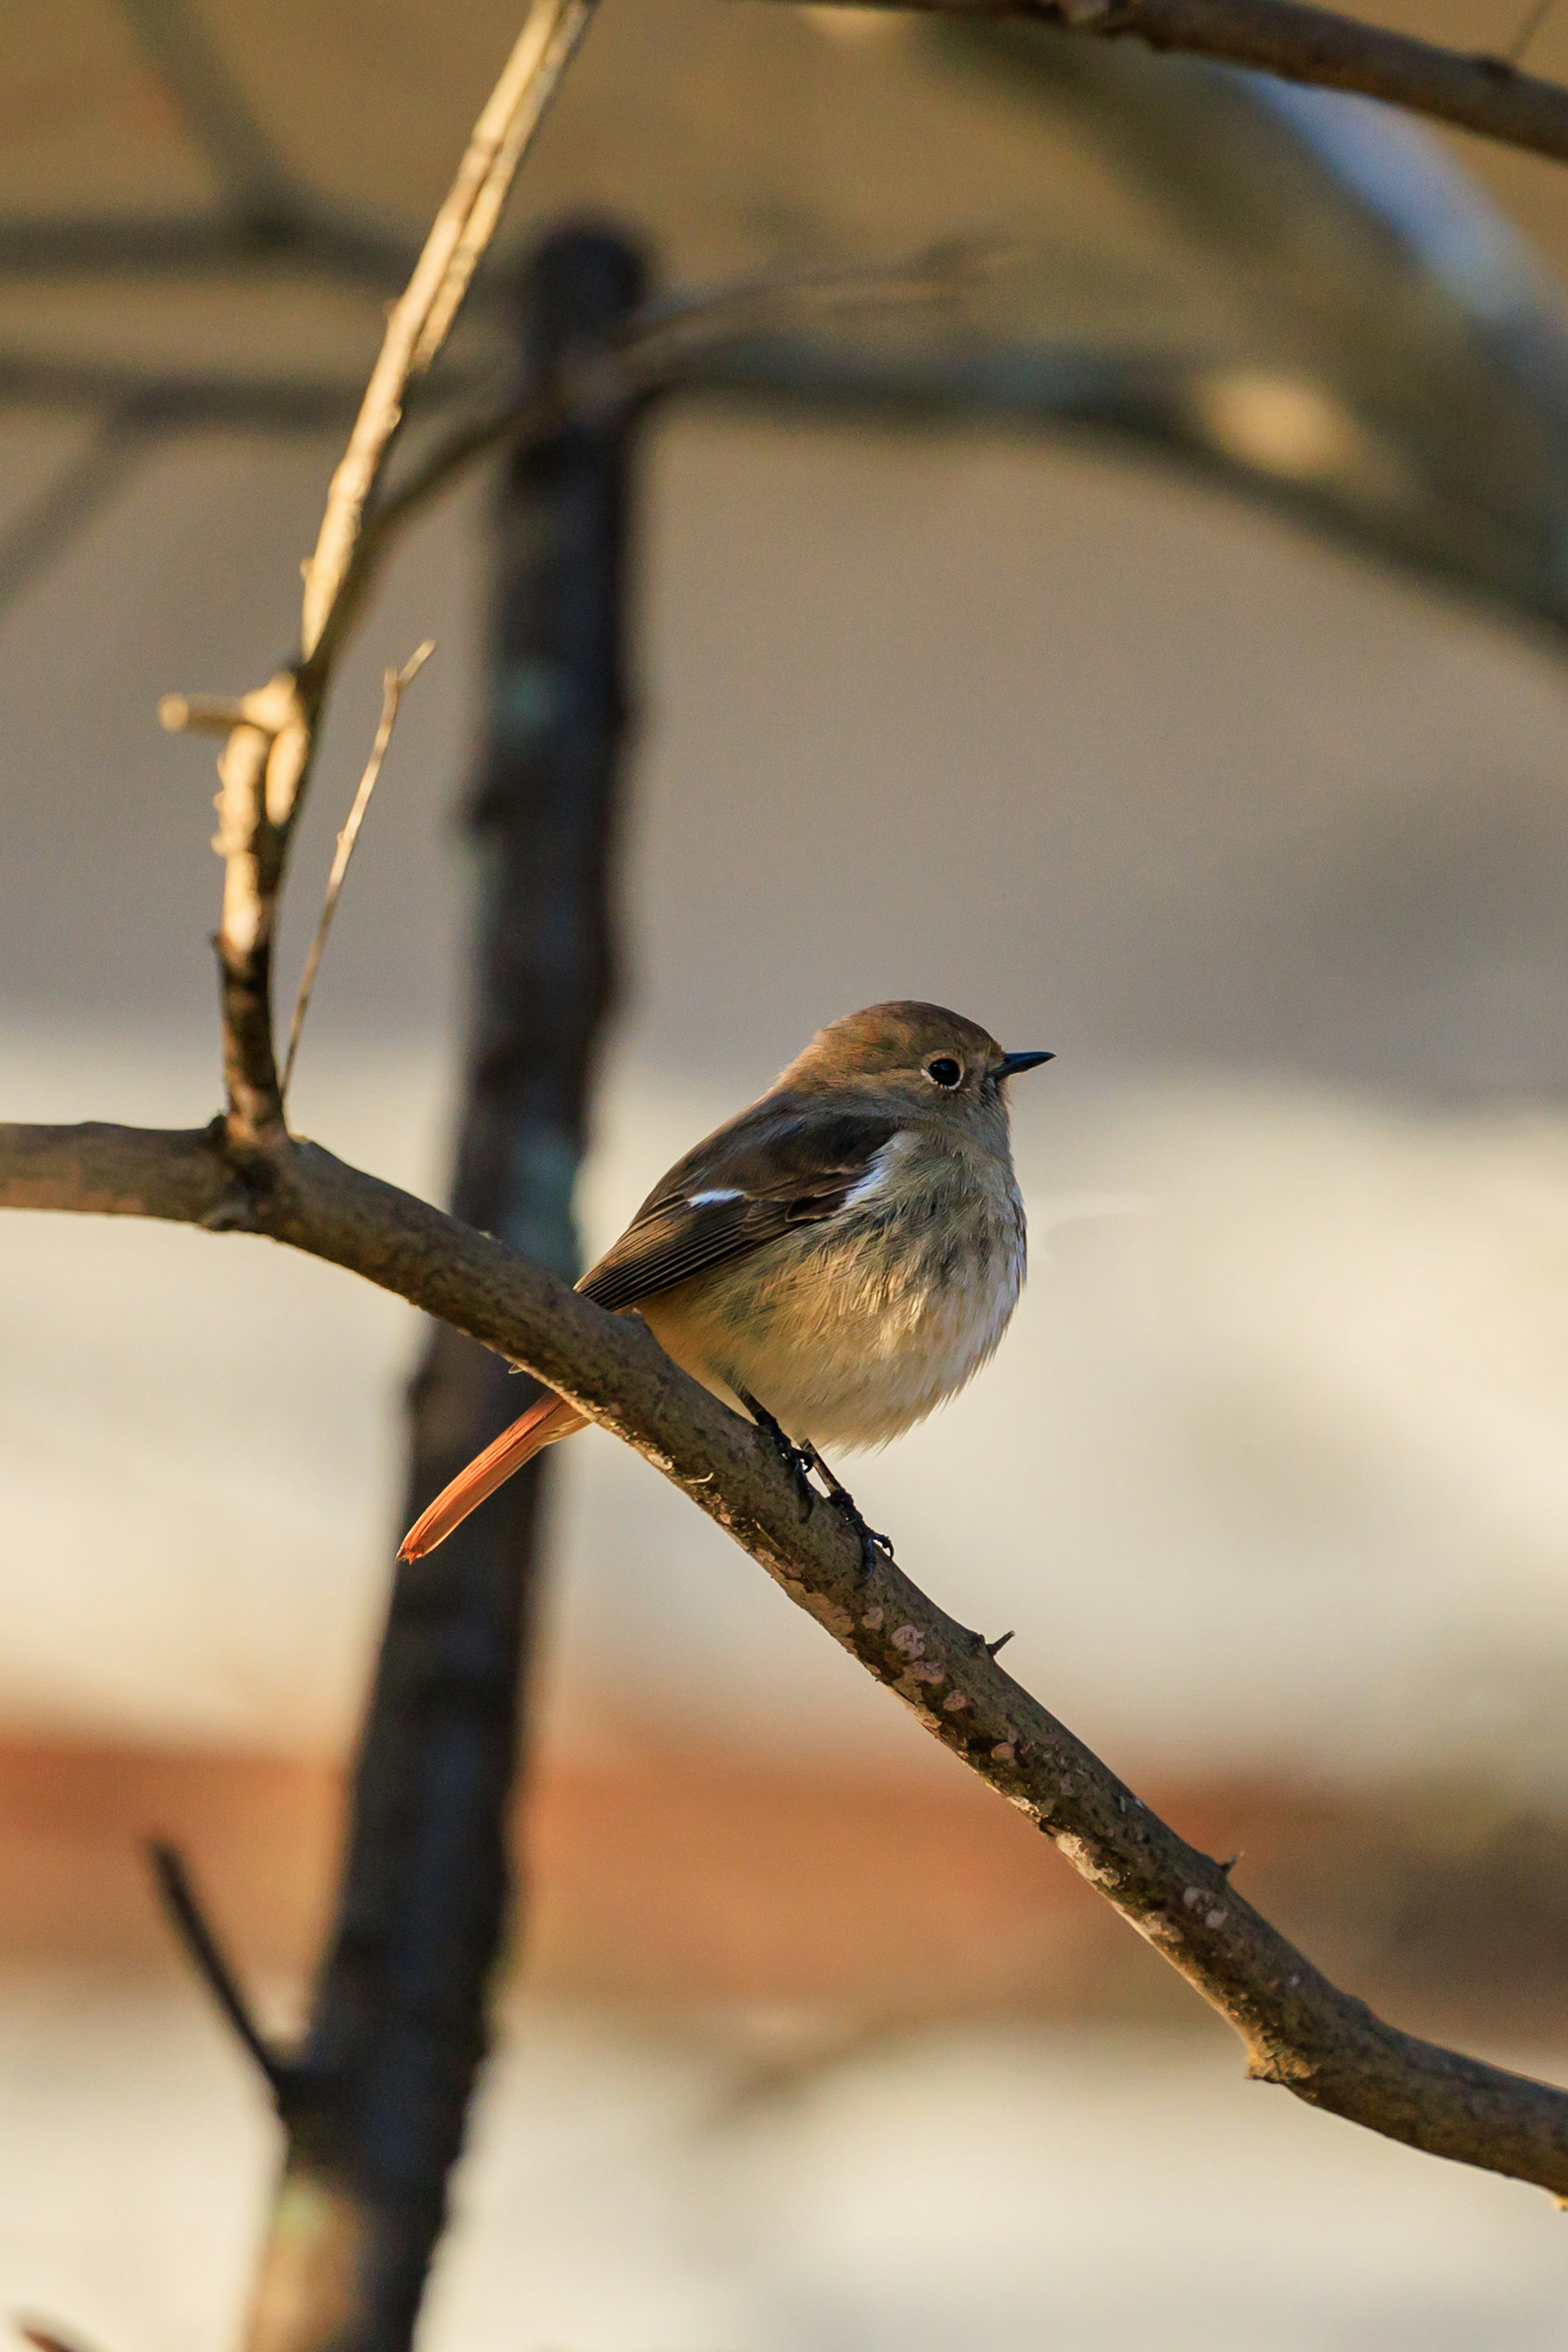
(266, 763)
(419, 323)
(393, 683)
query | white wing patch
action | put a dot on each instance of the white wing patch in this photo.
(878, 1171)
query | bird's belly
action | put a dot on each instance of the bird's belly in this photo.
(849, 1336)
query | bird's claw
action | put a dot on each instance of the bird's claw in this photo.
(843, 1502)
(871, 1541)
(800, 1460)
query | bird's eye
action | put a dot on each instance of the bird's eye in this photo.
(944, 1071)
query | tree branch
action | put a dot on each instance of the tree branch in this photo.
(211, 1963)
(1298, 2028)
(266, 763)
(1484, 94)
(649, 355)
(395, 682)
(259, 187)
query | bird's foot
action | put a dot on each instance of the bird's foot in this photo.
(844, 1503)
(799, 1461)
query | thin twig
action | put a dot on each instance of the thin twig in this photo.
(394, 682)
(557, 37)
(1298, 2029)
(419, 322)
(207, 1955)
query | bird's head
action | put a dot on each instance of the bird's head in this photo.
(920, 1054)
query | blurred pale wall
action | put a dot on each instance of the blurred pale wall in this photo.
(1268, 847)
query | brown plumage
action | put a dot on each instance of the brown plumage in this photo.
(840, 1257)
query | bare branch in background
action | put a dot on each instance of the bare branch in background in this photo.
(1484, 94)
(1299, 2030)
(649, 356)
(114, 449)
(399, 2019)
(1530, 24)
(258, 184)
(393, 683)
(209, 1959)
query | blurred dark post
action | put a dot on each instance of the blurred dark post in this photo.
(375, 2108)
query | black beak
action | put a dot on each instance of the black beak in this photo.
(1011, 1064)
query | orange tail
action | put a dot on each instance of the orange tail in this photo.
(543, 1424)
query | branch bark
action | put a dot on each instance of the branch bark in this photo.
(1298, 2028)
(1485, 94)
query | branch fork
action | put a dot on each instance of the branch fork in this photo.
(264, 766)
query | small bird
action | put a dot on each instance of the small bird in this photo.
(835, 1260)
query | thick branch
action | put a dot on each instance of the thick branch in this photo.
(1484, 94)
(1299, 2030)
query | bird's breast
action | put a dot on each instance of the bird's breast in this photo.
(853, 1328)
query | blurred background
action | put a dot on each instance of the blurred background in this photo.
(1148, 640)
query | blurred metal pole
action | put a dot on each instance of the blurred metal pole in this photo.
(374, 2109)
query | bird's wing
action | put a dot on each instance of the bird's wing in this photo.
(734, 1194)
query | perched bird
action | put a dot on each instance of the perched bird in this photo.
(837, 1260)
